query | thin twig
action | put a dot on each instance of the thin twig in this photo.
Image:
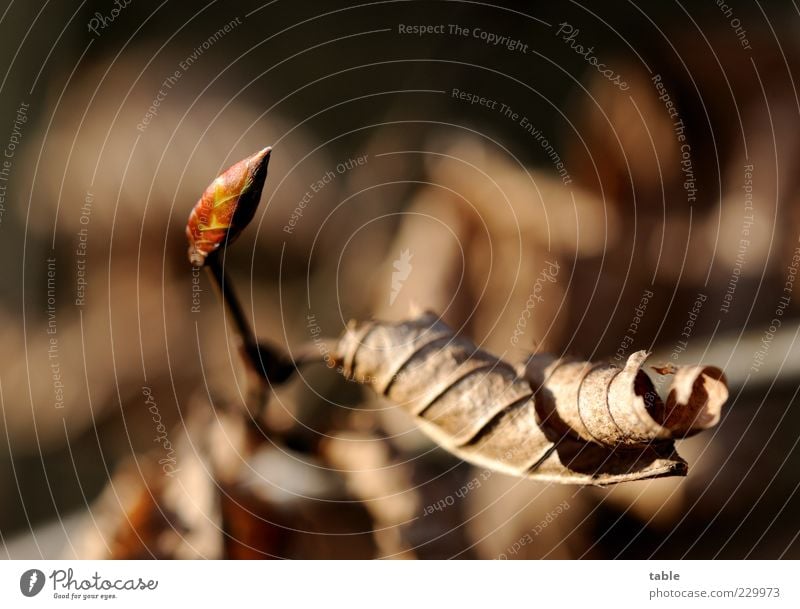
(258, 359)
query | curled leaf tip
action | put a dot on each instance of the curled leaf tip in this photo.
(226, 207)
(695, 400)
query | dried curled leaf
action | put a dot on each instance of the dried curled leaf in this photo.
(613, 406)
(559, 420)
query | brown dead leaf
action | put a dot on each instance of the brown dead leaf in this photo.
(556, 419)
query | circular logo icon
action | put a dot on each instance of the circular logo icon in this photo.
(31, 582)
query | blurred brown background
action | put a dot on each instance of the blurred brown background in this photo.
(699, 208)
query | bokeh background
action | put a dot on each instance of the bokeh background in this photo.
(678, 180)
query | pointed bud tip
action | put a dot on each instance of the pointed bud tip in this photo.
(227, 206)
(259, 158)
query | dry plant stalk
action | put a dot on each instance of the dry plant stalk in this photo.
(551, 419)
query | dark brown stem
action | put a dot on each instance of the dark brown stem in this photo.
(264, 364)
(233, 306)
